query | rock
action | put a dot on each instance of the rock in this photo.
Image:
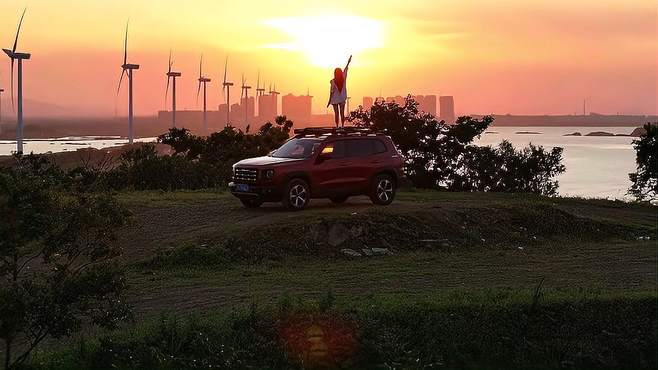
(639, 131)
(600, 133)
(338, 234)
(528, 133)
(356, 231)
(574, 134)
(367, 252)
(350, 252)
(381, 251)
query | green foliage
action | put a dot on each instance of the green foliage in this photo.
(56, 256)
(440, 155)
(197, 162)
(473, 332)
(645, 180)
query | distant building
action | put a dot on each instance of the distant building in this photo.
(267, 107)
(426, 103)
(395, 99)
(367, 102)
(297, 108)
(447, 106)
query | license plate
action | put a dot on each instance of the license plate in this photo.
(243, 188)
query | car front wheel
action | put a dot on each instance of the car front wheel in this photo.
(382, 190)
(297, 195)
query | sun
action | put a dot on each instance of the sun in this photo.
(327, 41)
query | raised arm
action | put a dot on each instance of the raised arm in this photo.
(348, 65)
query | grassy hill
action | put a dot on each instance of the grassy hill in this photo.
(447, 280)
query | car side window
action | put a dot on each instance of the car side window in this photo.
(359, 147)
(340, 149)
(378, 147)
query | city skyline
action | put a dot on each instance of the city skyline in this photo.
(562, 57)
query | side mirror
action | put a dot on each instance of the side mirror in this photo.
(326, 154)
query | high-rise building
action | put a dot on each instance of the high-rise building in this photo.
(297, 108)
(267, 107)
(426, 104)
(447, 105)
(367, 102)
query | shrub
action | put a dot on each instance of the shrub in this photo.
(645, 180)
(56, 259)
(439, 155)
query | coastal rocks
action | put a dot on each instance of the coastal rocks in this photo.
(574, 134)
(528, 133)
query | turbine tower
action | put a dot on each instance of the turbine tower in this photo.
(245, 94)
(127, 69)
(226, 87)
(171, 75)
(1, 91)
(16, 56)
(260, 91)
(203, 81)
(275, 93)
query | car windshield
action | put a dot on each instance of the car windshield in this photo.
(297, 148)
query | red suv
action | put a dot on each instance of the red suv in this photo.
(321, 163)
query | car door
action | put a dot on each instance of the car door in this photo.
(359, 152)
(329, 171)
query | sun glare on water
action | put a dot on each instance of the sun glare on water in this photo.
(327, 41)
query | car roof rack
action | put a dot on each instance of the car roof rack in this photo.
(334, 131)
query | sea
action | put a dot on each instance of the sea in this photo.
(596, 166)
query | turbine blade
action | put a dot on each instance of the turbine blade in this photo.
(198, 91)
(123, 72)
(258, 81)
(13, 107)
(167, 90)
(170, 65)
(125, 45)
(18, 32)
(201, 66)
(225, 68)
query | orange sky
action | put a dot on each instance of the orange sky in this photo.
(515, 56)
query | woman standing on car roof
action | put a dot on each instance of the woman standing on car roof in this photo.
(338, 93)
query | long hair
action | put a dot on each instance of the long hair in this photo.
(339, 79)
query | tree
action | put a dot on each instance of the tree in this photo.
(56, 260)
(440, 155)
(645, 180)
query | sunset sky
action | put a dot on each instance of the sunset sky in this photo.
(516, 56)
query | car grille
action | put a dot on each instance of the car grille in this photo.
(245, 175)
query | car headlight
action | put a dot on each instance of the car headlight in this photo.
(269, 174)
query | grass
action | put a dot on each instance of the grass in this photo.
(215, 285)
(492, 330)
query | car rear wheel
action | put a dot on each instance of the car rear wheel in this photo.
(338, 200)
(297, 195)
(251, 203)
(382, 190)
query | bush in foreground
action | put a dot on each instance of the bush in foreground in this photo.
(56, 256)
(497, 332)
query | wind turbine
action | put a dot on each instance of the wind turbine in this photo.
(171, 75)
(275, 94)
(16, 56)
(226, 86)
(203, 81)
(245, 94)
(127, 69)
